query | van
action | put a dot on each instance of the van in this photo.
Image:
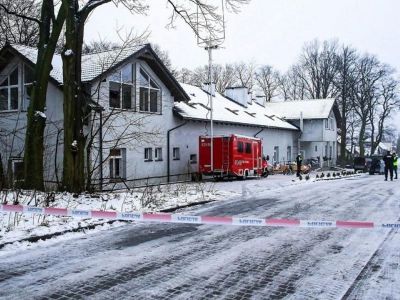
(360, 164)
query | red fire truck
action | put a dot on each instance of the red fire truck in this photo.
(234, 156)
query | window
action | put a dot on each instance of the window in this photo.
(176, 153)
(149, 94)
(17, 168)
(240, 147)
(289, 153)
(148, 154)
(121, 88)
(28, 84)
(276, 154)
(116, 100)
(326, 124)
(118, 164)
(316, 148)
(248, 147)
(158, 154)
(193, 158)
(9, 94)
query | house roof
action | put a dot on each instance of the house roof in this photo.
(98, 64)
(227, 111)
(311, 109)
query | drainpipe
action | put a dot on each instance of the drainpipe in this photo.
(101, 148)
(168, 148)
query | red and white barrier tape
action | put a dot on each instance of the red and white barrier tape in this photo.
(189, 219)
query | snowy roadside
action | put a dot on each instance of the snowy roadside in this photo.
(31, 228)
(17, 226)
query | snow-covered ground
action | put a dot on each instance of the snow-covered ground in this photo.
(17, 226)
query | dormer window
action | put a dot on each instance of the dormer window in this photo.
(9, 93)
(150, 93)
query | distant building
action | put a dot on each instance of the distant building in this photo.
(318, 120)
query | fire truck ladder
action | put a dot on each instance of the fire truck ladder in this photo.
(225, 155)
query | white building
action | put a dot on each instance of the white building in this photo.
(318, 120)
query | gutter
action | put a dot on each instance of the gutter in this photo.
(168, 149)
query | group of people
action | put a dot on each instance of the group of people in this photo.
(390, 160)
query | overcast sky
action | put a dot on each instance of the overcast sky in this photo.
(267, 31)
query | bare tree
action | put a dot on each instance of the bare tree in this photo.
(386, 102)
(291, 85)
(344, 81)
(268, 81)
(244, 73)
(317, 69)
(15, 29)
(365, 91)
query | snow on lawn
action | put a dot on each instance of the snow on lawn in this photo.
(17, 226)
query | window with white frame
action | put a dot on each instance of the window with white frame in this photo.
(17, 168)
(176, 155)
(28, 85)
(326, 124)
(117, 163)
(9, 93)
(289, 153)
(148, 154)
(149, 93)
(276, 154)
(121, 88)
(158, 154)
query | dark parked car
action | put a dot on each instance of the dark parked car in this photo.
(360, 164)
(377, 166)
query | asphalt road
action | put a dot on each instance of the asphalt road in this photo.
(180, 261)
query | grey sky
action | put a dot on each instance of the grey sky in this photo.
(268, 31)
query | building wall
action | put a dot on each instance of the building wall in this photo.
(186, 138)
(133, 131)
(13, 126)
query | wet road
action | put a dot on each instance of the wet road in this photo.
(181, 261)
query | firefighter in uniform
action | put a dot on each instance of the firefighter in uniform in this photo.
(395, 164)
(388, 159)
(299, 160)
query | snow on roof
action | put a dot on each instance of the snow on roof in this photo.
(312, 109)
(225, 110)
(93, 65)
(385, 146)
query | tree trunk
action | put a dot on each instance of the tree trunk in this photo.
(361, 139)
(34, 148)
(74, 140)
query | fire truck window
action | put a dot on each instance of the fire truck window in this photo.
(248, 148)
(240, 146)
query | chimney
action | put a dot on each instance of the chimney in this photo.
(238, 94)
(206, 87)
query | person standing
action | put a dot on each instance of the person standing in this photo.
(395, 164)
(299, 160)
(388, 159)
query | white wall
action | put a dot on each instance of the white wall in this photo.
(13, 126)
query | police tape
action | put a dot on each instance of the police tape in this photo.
(189, 219)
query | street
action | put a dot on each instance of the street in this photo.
(184, 261)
